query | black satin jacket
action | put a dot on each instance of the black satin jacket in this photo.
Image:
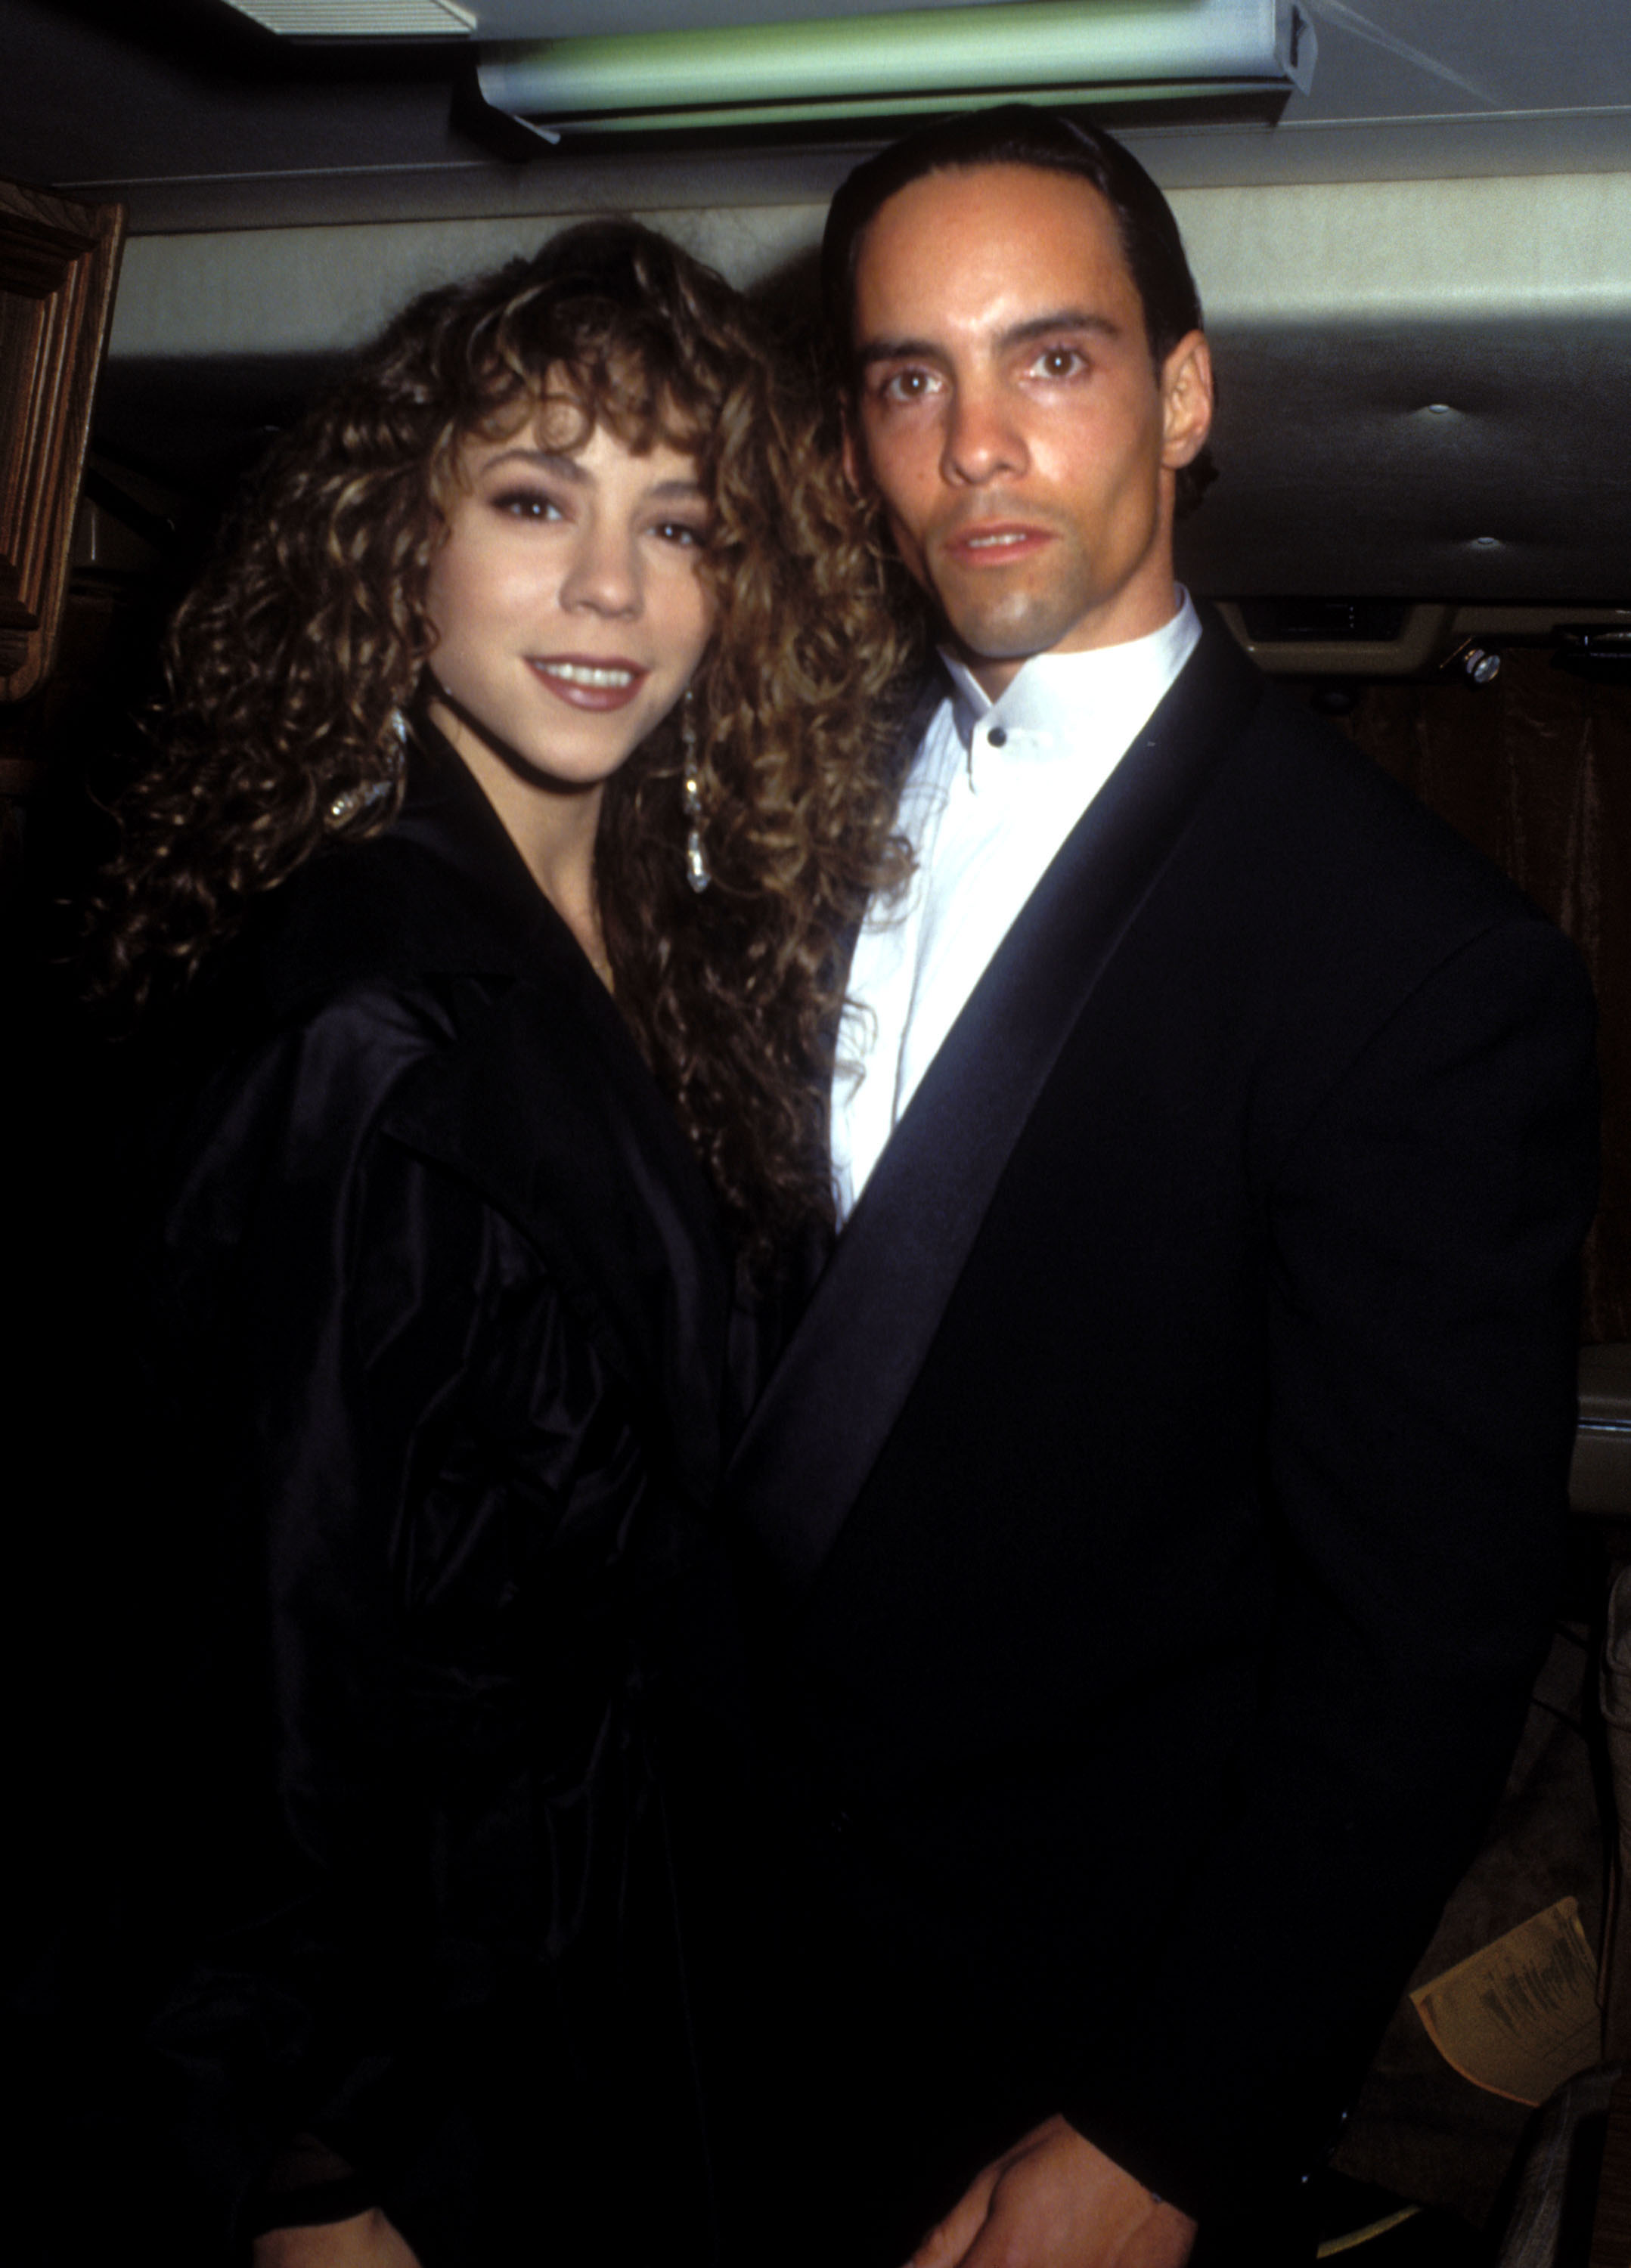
(432, 1329)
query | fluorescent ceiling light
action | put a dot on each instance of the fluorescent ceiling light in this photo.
(359, 20)
(931, 59)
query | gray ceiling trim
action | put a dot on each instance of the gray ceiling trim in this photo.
(652, 179)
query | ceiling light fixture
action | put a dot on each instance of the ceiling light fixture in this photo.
(919, 61)
(359, 20)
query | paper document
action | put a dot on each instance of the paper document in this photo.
(1520, 2017)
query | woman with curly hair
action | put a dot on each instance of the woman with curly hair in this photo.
(526, 757)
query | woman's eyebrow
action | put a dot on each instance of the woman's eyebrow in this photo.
(568, 468)
(544, 460)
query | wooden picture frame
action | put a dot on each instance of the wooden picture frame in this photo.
(58, 265)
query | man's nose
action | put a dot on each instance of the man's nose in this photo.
(603, 577)
(982, 440)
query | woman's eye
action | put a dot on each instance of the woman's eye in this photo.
(526, 503)
(682, 531)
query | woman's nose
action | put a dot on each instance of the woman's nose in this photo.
(603, 577)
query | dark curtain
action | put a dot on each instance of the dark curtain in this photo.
(1536, 771)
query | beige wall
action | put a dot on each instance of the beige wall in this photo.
(1554, 246)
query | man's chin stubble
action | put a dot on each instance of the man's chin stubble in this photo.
(1012, 630)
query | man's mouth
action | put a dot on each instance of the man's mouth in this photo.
(586, 683)
(997, 543)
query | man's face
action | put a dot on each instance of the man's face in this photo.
(1010, 419)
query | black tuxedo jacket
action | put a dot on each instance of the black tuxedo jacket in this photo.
(1159, 1502)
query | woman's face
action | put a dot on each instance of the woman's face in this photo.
(568, 600)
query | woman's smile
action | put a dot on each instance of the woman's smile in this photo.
(589, 684)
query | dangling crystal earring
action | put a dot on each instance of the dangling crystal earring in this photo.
(353, 802)
(690, 797)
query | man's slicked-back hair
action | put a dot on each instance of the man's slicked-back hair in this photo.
(1017, 134)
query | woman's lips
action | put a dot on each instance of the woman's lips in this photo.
(588, 681)
(996, 543)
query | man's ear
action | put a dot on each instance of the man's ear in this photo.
(1186, 401)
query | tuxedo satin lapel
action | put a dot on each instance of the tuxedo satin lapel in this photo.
(834, 1397)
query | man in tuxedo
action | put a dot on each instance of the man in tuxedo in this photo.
(1158, 1506)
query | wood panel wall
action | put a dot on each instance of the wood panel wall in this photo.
(59, 264)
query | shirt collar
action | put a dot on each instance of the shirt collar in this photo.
(1057, 700)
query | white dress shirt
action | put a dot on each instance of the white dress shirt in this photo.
(993, 790)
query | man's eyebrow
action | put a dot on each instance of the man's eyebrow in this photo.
(897, 350)
(1062, 319)
(1017, 334)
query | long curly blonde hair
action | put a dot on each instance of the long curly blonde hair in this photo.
(285, 665)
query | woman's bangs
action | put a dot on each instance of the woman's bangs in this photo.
(592, 363)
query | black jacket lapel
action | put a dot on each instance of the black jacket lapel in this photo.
(556, 1119)
(835, 1395)
(545, 1105)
